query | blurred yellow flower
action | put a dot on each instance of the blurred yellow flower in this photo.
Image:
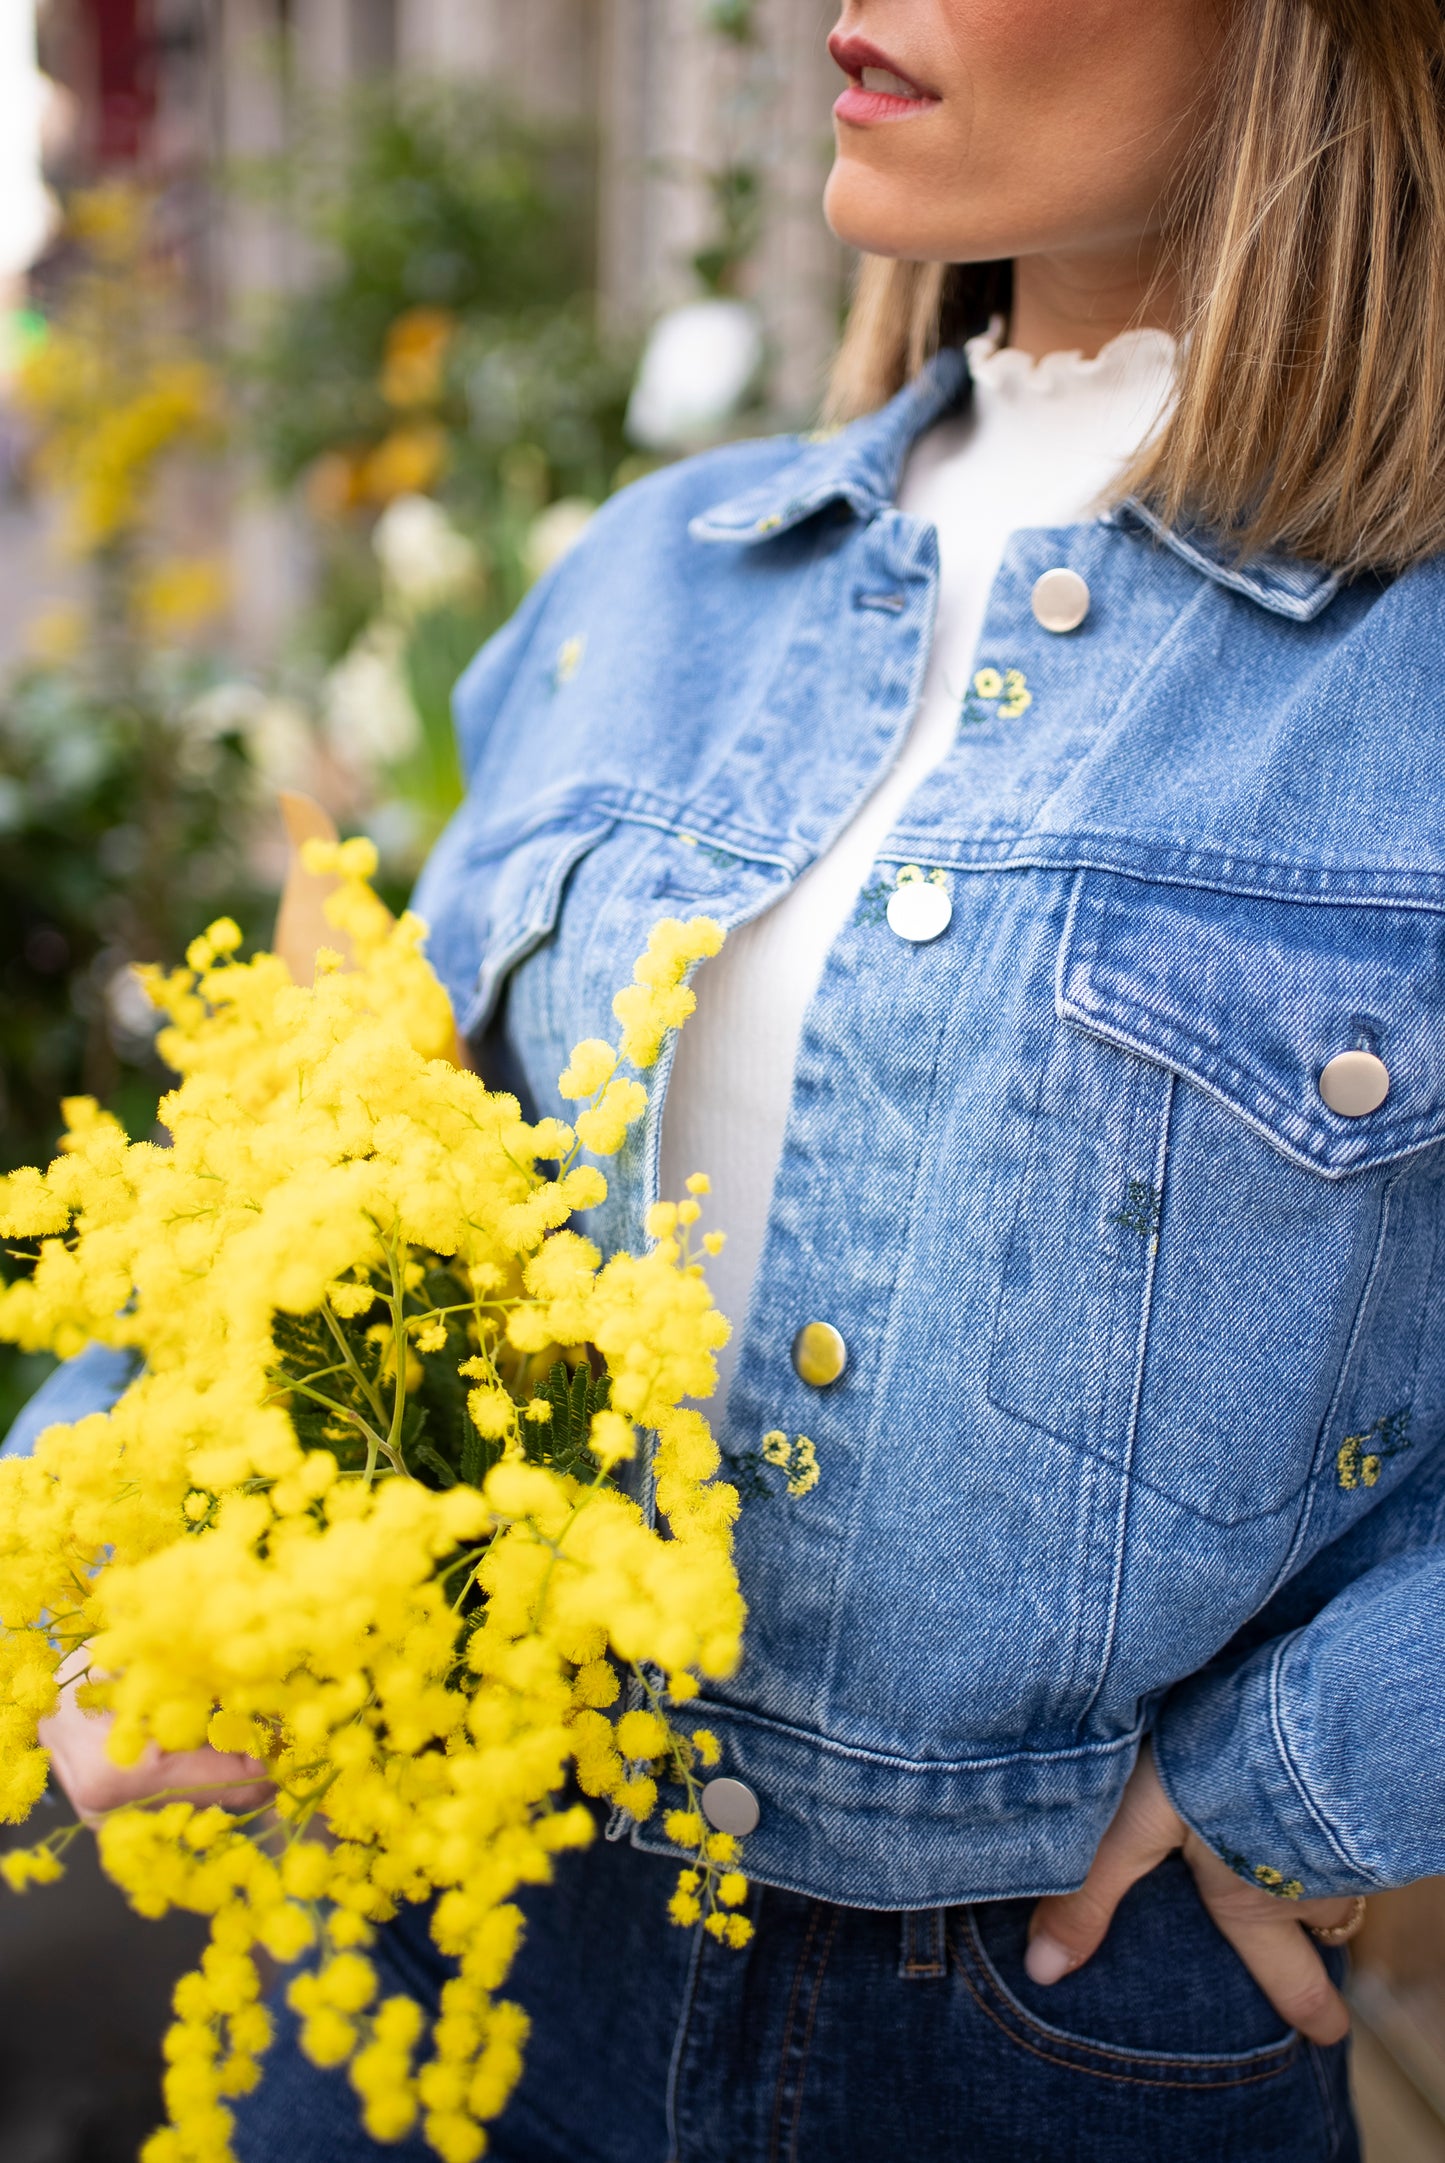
(334, 483)
(57, 633)
(414, 365)
(109, 220)
(181, 594)
(408, 462)
(112, 388)
(251, 1545)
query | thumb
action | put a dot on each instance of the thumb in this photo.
(1066, 1929)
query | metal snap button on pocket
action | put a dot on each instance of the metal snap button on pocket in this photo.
(1354, 1083)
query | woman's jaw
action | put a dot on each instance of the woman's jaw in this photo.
(985, 130)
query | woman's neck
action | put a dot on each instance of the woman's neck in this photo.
(1077, 303)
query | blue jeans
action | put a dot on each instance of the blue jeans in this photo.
(849, 2035)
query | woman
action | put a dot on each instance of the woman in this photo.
(1073, 1084)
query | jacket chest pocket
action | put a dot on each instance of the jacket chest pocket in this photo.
(1214, 1280)
(492, 892)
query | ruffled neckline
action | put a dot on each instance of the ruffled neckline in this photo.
(1134, 354)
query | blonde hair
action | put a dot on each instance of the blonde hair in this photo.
(1308, 240)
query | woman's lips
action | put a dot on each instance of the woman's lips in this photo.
(877, 90)
(863, 106)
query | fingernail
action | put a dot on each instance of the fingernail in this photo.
(1046, 1961)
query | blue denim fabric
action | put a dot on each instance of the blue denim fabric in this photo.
(1140, 1427)
(90, 1382)
(849, 2036)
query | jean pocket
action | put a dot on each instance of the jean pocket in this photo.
(1165, 2002)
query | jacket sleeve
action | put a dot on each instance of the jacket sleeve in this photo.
(90, 1382)
(1314, 1761)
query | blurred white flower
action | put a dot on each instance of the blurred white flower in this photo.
(278, 732)
(27, 210)
(367, 707)
(228, 708)
(554, 531)
(282, 743)
(424, 559)
(399, 835)
(132, 1017)
(699, 365)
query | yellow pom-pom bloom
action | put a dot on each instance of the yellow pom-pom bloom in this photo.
(589, 1069)
(355, 1521)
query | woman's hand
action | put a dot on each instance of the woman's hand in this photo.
(1267, 1933)
(82, 1764)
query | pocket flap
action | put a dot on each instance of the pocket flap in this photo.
(1251, 998)
(490, 894)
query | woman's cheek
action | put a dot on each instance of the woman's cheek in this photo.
(1015, 46)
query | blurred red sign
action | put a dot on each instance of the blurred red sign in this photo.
(123, 48)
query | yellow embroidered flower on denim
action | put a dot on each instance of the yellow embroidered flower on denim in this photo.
(568, 661)
(1017, 695)
(1360, 1457)
(1005, 691)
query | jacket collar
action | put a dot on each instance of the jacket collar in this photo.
(862, 466)
(1286, 585)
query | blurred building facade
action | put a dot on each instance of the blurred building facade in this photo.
(678, 93)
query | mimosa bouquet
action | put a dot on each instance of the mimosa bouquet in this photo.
(363, 1515)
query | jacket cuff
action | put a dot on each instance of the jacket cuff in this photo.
(1229, 1765)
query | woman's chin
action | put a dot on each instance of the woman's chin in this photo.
(868, 210)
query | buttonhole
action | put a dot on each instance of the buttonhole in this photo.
(889, 604)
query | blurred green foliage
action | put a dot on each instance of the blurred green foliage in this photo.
(124, 818)
(448, 342)
(122, 831)
(120, 839)
(442, 344)
(414, 196)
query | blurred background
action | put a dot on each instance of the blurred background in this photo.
(325, 325)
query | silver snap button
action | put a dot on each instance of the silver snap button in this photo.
(920, 911)
(1354, 1083)
(730, 1806)
(1060, 600)
(819, 1354)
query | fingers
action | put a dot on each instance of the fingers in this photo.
(200, 1776)
(96, 1786)
(81, 1762)
(1271, 1940)
(1067, 1928)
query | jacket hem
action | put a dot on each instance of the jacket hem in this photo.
(864, 1829)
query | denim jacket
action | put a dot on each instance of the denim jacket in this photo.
(1139, 1428)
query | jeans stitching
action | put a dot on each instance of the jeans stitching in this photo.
(812, 1931)
(679, 2045)
(916, 1962)
(1316, 2056)
(1214, 2073)
(823, 1959)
